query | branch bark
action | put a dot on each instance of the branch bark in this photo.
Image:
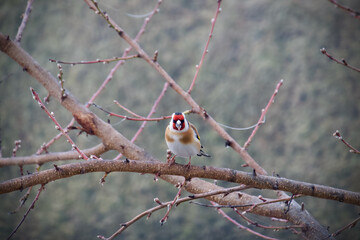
(50, 157)
(161, 168)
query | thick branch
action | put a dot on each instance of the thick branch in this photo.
(160, 168)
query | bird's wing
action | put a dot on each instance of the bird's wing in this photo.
(195, 130)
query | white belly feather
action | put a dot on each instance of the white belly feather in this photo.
(182, 150)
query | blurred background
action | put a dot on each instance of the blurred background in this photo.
(255, 44)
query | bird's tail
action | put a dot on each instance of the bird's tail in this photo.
(202, 153)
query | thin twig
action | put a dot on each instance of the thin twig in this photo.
(132, 118)
(262, 117)
(354, 13)
(348, 226)
(27, 212)
(22, 200)
(177, 196)
(241, 226)
(251, 205)
(352, 149)
(127, 110)
(163, 205)
(152, 111)
(114, 59)
(62, 81)
(58, 126)
(44, 147)
(266, 227)
(342, 61)
(25, 18)
(16, 148)
(213, 21)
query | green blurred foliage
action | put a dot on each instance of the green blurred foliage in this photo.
(255, 44)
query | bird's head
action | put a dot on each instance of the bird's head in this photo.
(178, 121)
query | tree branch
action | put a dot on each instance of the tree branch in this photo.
(50, 157)
(114, 59)
(263, 113)
(198, 67)
(227, 217)
(162, 205)
(355, 14)
(28, 211)
(341, 62)
(57, 124)
(161, 168)
(25, 18)
(338, 136)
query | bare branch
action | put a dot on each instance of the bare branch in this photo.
(171, 204)
(126, 52)
(338, 136)
(162, 205)
(137, 118)
(62, 82)
(22, 200)
(263, 113)
(152, 111)
(198, 67)
(342, 61)
(127, 110)
(241, 226)
(25, 18)
(263, 226)
(348, 226)
(109, 60)
(156, 167)
(50, 157)
(251, 205)
(16, 148)
(28, 211)
(58, 126)
(354, 13)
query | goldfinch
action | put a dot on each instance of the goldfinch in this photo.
(182, 138)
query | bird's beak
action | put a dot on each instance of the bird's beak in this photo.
(178, 124)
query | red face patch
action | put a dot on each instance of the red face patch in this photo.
(178, 121)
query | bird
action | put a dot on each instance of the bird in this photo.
(182, 138)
